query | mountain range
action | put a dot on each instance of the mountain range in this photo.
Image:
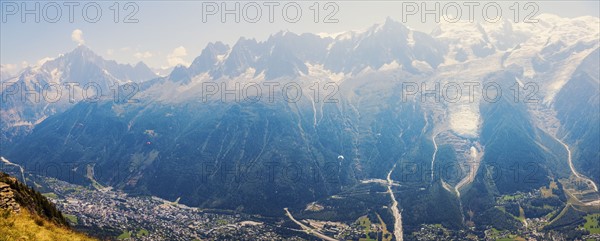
(356, 120)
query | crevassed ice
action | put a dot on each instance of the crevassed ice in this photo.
(464, 120)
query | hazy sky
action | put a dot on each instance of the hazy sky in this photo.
(172, 32)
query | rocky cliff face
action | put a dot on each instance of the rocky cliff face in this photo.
(7, 198)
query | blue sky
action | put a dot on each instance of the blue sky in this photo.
(172, 32)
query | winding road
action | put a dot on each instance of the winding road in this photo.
(307, 228)
(474, 167)
(435, 149)
(395, 211)
(17, 165)
(573, 167)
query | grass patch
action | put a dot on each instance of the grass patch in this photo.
(222, 222)
(50, 195)
(142, 232)
(72, 218)
(124, 235)
(521, 214)
(512, 197)
(547, 192)
(365, 222)
(25, 226)
(512, 238)
(591, 223)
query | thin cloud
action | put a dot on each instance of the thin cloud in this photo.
(143, 55)
(176, 57)
(77, 36)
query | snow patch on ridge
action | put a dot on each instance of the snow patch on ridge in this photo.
(390, 66)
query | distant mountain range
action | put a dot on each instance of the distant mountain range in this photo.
(32, 96)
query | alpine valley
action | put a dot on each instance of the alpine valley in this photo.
(475, 131)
